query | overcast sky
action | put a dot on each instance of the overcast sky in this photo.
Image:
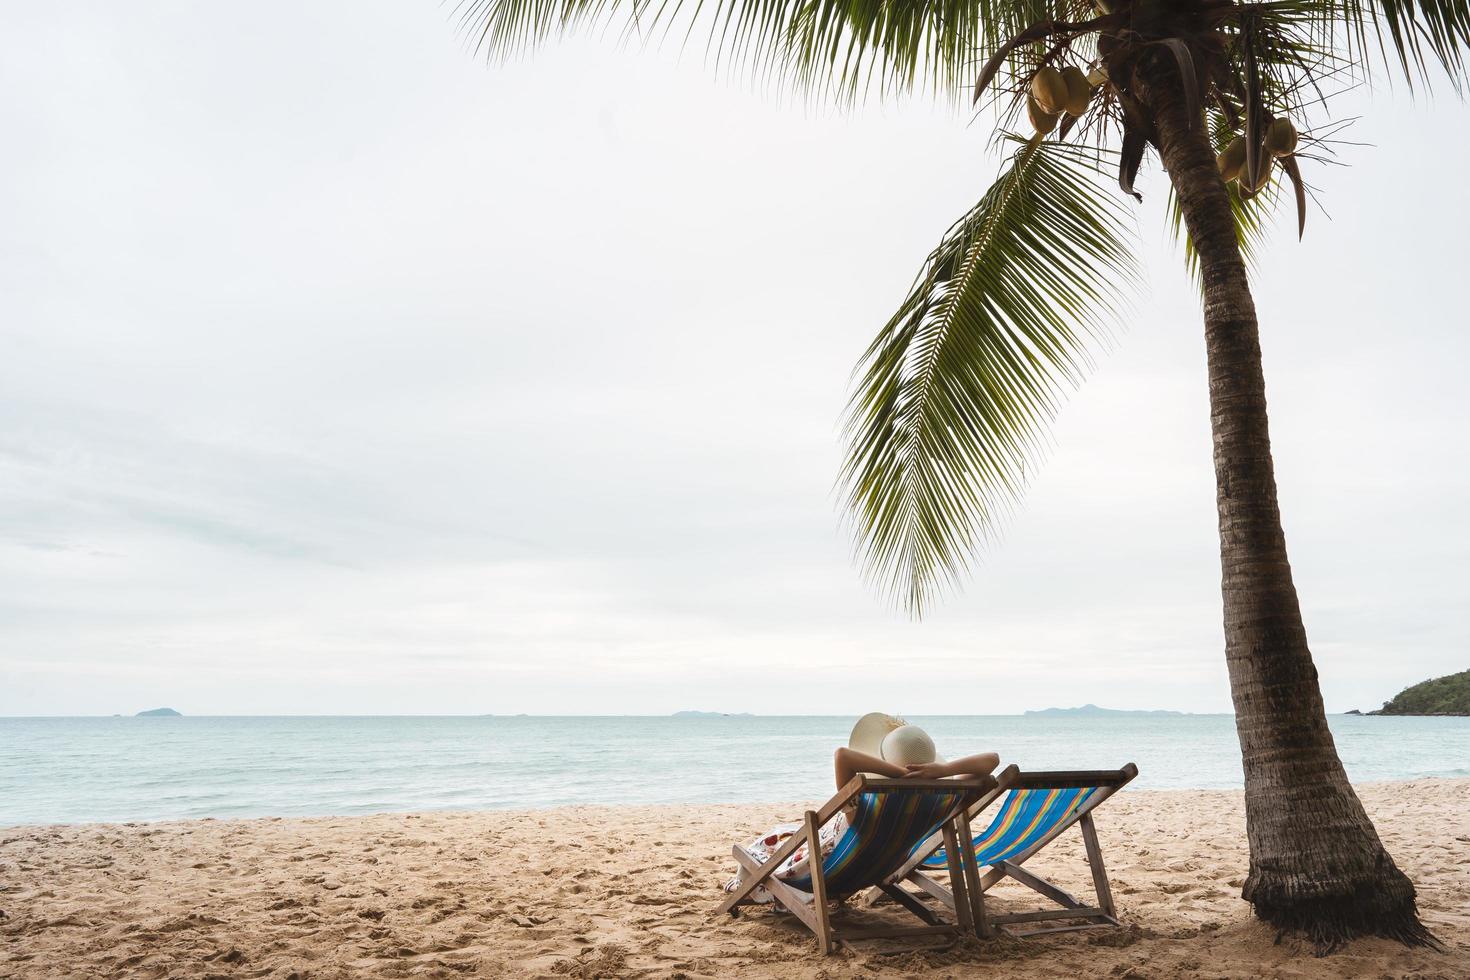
(345, 373)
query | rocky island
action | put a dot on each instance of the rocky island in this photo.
(1093, 711)
(159, 713)
(1448, 695)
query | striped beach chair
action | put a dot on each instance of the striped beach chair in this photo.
(1034, 809)
(892, 818)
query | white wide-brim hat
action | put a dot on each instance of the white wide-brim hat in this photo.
(868, 734)
(892, 740)
(909, 746)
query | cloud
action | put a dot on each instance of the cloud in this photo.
(344, 373)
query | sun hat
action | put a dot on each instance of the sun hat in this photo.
(908, 746)
(868, 734)
(892, 740)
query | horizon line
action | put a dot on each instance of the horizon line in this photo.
(668, 714)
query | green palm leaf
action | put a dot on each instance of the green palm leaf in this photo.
(1414, 33)
(954, 394)
(1417, 31)
(843, 48)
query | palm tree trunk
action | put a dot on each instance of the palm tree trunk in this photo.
(1316, 863)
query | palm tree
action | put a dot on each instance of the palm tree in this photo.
(954, 394)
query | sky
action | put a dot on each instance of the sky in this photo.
(347, 373)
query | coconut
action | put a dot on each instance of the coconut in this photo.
(1044, 121)
(1231, 159)
(1079, 93)
(1281, 137)
(1048, 89)
(1260, 185)
(1104, 7)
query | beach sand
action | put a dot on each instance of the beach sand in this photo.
(629, 891)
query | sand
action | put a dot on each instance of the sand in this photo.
(628, 892)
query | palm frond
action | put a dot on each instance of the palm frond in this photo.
(1412, 35)
(953, 397)
(837, 47)
(1298, 51)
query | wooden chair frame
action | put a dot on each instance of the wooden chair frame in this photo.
(1103, 783)
(811, 909)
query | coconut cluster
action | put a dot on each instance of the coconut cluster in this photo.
(1056, 92)
(1280, 141)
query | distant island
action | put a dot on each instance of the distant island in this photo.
(1092, 711)
(713, 714)
(1448, 695)
(159, 713)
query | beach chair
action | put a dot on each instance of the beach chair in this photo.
(1034, 809)
(893, 817)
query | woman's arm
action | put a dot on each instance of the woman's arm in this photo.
(847, 763)
(971, 765)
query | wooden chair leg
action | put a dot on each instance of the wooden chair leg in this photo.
(787, 897)
(819, 884)
(1095, 862)
(972, 876)
(962, 910)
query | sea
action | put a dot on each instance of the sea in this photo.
(80, 770)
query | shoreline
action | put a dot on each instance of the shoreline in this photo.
(780, 805)
(628, 891)
(129, 770)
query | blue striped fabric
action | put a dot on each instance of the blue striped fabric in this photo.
(881, 835)
(1024, 818)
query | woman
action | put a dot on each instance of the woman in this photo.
(848, 763)
(880, 745)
